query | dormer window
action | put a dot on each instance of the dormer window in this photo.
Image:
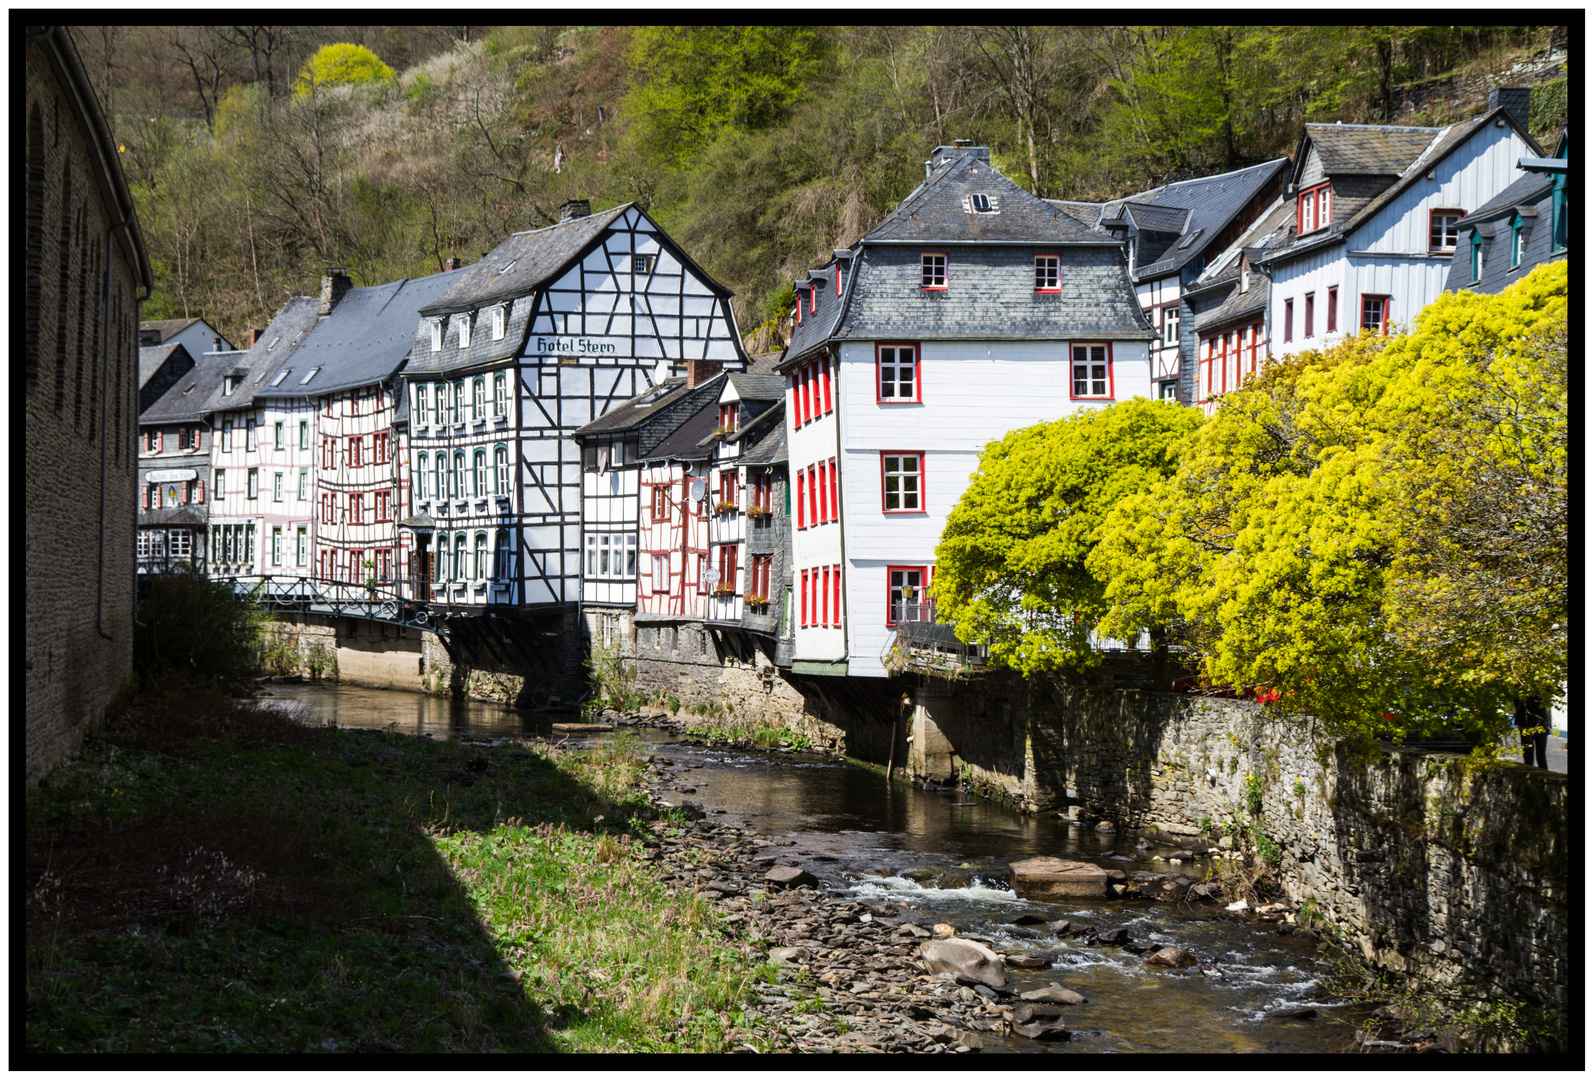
(1046, 273)
(1314, 209)
(227, 383)
(983, 204)
(728, 413)
(1516, 241)
(1245, 274)
(1476, 258)
(498, 324)
(437, 335)
(464, 330)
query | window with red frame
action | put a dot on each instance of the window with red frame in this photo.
(1309, 302)
(1204, 369)
(1444, 229)
(1046, 273)
(904, 593)
(764, 491)
(728, 565)
(758, 576)
(1313, 209)
(661, 502)
(353, 455)
(384, 506)
(802, 521)
(799, 307)
(824, 503)
(897, 371)
(824, 597)
(381, 448)
(1331, 316)
(384, 564)
(356, 509)
(803, 594)
(813, 299)
(728, 416)
(702, 573)
(1256, 334)
(824, 374)
(902, 483)
(813, 496)
(835, 493)
(1289, 319)
(1375, 314)
(803, 400)
(838, 278)
(1092, 371)
(932, 270)
(728, 486)
(835, 608)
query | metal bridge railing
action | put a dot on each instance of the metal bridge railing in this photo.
(388, 601)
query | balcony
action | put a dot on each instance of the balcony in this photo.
(923, 645)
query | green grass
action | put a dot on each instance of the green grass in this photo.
(205, 877)
(747, 733)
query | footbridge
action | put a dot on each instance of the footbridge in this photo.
(388, 602)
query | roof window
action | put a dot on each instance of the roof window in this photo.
(309, 375)
(227, 385)
(283, 374)
(273, 344)
(1188, 240)
(983, 204)
(508, 266)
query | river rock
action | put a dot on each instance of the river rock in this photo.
(581, 729)
(1028, 920)
(1048, 878)
(791, 954)
(789, 877)
(1106, 827)
(1055, 995)
(1058, 926)
(945, 930)
(918, 873)
(1171, 956)
(1119, 936)
(1025, 960)
(1046, 1030)
(959, 956)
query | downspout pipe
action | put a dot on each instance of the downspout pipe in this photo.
(105, 427)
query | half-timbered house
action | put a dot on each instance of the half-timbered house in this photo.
(260, 452)
(675, 577)
(552, 329)
(974, 308)
(359, 474)
(613, 449)
(1378, 211)
(174, 437)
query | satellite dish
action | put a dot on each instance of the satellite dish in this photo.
(699, 489)
(711, 576)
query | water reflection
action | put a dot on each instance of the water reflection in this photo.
(413, 714)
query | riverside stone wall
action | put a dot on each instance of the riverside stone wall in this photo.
(1457, 876)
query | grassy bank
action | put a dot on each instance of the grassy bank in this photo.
(209, 876)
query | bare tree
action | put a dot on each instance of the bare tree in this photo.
(207, 56)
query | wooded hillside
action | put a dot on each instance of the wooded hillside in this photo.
(759, 148)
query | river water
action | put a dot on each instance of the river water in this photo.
(943, 857)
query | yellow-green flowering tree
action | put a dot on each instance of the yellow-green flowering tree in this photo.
(1011, 566)
(1355, 529)
(341, 64)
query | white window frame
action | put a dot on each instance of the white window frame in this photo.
(498, 323)
(437, 335)
(463, 321)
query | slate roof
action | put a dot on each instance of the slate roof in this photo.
(815, 328)
(764, 363)
(151, 358)
(1524, 191)
(934, 212)
(189, 397)
(169, 328)
(270, 354)
(692, 440)
(537, 255)
(1152, 218)
(634, 411)
(1087, 214)
(758, 387)
(771, 448)
(1365, 149)
(1441, 142)
(366, 337)
(656, 414)
(1222, 278)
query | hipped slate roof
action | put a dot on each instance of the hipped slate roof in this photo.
(692, 441)
(1365, 149)
(758, 387)
(189, 397)
(366, 337)
(934, 212)
(771, 448)
(536, 255)
(270, 354)
(1524, 191)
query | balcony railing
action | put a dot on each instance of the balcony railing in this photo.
(923, 644)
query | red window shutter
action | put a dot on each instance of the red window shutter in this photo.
(824, 367)
(143, 498)
(813, 495)
(804, 619)
(835, 611)
(800, 522)
(791, 383)
(160, 442)
(824, 597)
(835, 496)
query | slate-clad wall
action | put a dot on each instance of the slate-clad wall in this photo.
(1432, 871)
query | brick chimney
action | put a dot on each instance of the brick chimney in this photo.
(452, 263)
(700, 371)
(575, 208)
(1514, 100)
(254, 336)
(334, 283)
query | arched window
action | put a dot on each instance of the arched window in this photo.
(421, 479)
(459, 556)
(481, 557)
(442, 403)
(420, 403)
(1477, 257)
(480, 489)
(478, 398)
(501, 469)
(459, 401)
(459, 474)
(441, 491)
(500, 403)
(501, 567)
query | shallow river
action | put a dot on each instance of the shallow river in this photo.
(947, 860)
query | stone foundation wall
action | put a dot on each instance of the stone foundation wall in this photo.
(1456, 876)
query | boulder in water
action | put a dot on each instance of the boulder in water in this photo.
(1171, 956)
(1047, 878)
(1055, 995)
(788, 877)
(959, 956)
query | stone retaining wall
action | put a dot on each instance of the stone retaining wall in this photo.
(1433, 870)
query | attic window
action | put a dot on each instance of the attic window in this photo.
(508, 266)
(309, 375)
(261, 377)
(498, 323)
(437, 335)
(983, 204)
(642, 264)
(273, 344)
(283, 374)
(1187, 241)
(226, 385)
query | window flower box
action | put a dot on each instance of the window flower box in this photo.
(755, 599)
(722, 430)
(724, 507)
(760, 512)
(725, 589)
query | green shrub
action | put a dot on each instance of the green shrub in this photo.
(192, 628)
